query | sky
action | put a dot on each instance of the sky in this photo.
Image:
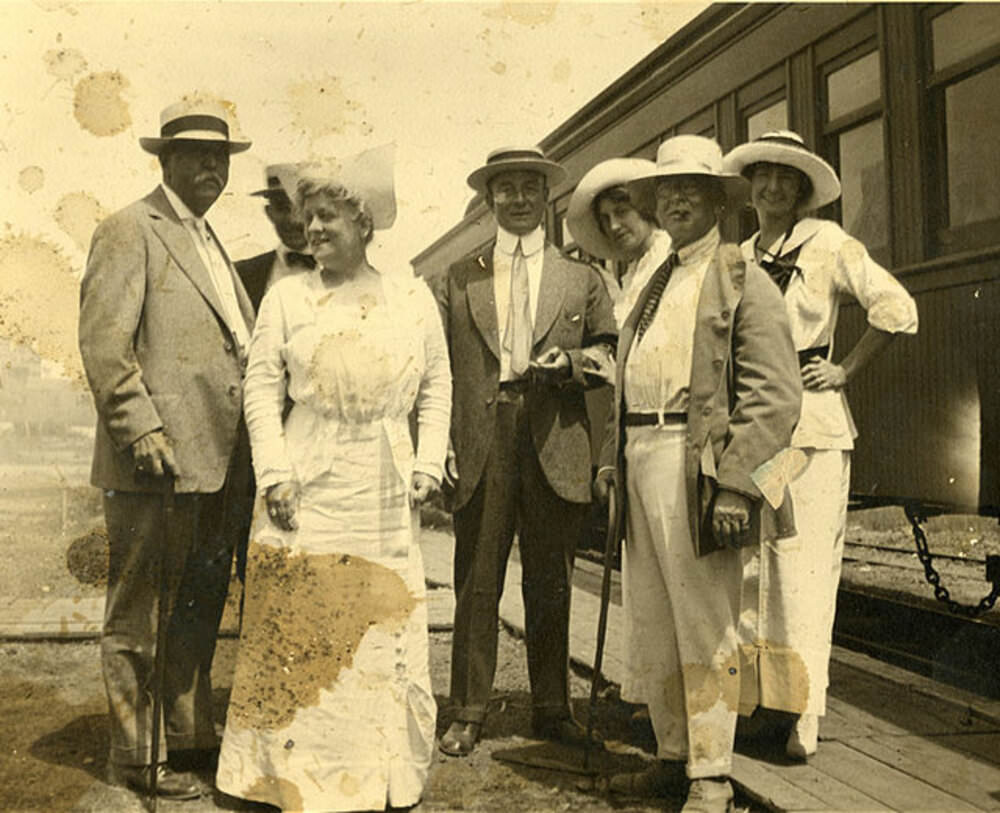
(445, 81)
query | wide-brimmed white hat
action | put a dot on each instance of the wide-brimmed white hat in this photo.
(194, 118)
(580, 217)
(690, 155)
(510, 159)
(368, 175)
(787, 147)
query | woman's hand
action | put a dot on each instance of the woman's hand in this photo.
(422, 486)
(820, 374)
(282, 503)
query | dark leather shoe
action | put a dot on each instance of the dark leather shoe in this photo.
(565, 730)
(460, 738)
(169, 784)
(662, 778)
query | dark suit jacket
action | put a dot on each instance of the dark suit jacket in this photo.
(254, 272)
(745, 394)
(157, 350)
(574, 312)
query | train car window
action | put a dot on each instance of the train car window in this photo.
(864, 196)
(853, 86)
(964, 72)
(962, 32)
(774, 117)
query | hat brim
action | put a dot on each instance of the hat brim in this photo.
(480, 178)
(271, 192)
(825, 183)
(735, 187)
(156, 145)
(583, 225)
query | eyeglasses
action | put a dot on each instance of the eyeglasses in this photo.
(688, 189)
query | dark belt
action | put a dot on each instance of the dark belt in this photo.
(654, 418)
(807, 355)
(518, 386)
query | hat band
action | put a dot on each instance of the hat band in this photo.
(514, 155)
(788, 142)
(185, 123)
(689, 164)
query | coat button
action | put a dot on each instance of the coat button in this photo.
(707, 411)
(725, 315)
(229, 347)
(234, 390)
(491, 400)
(717, 364)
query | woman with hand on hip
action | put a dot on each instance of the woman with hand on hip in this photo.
(331, 707)
(791, 589)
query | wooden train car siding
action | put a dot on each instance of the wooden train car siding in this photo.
(929, 409)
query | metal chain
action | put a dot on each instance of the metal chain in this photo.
(915, 515)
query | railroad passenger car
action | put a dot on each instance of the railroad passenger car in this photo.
(901, 99)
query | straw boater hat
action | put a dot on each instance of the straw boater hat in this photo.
(580, 218)
(510, 159)
(788, 148)
(690, 155)
(368, 174)
(193, 119)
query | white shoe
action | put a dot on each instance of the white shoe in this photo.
(709, 796)
(803, 738)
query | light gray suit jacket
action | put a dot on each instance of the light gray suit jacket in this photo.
(157, 350)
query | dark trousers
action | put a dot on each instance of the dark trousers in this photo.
(197, 555)
(513, 495)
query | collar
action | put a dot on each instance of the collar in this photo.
(701, 249)
(802, 232)
(531, 243)
(180, 207)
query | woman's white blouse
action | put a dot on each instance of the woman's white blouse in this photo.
(833, 265)
(350, 373)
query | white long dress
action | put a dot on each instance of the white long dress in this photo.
(331, 707)
(790, 585)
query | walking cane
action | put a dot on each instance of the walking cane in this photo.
(162, 619)
(610, 543)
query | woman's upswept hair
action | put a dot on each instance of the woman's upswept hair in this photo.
(620, 194)
(360, 212)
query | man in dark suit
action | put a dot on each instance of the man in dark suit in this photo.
(164, 327)
(529, 330)
(261, 272)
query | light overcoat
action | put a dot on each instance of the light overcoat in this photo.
(744, 398)
(574, 312)
(157, 350)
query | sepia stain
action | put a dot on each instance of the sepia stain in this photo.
(319, 107)
(39, 300)
(499, 68)
(328, 367)
(278, 791)
(658, 18)
(64, 63)
(304, 619)
(98, 104)
(787, 673)
(31, 179)
(704, 686)
(561, 71)
(78, 214)
(525, 13)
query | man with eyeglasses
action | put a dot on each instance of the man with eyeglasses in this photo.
(528, 331)
(707, 393)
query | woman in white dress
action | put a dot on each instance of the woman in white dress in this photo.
(790, 587)
(331, 707)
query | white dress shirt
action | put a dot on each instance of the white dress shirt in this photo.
(214, 258)
(533, 248)
(658, 369)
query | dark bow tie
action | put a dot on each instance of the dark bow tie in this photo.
(293, 258)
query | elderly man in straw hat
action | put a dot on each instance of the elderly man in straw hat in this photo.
(707, 392)
(290, 256)
(164, 326)
(529, 330)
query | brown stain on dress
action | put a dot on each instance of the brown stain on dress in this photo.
(39, 300)
(275, 787)
(304, 618)
(98, 104)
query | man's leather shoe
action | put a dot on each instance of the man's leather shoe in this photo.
(565, 730)
(662, 778)
(460, 738)
(169, 784)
